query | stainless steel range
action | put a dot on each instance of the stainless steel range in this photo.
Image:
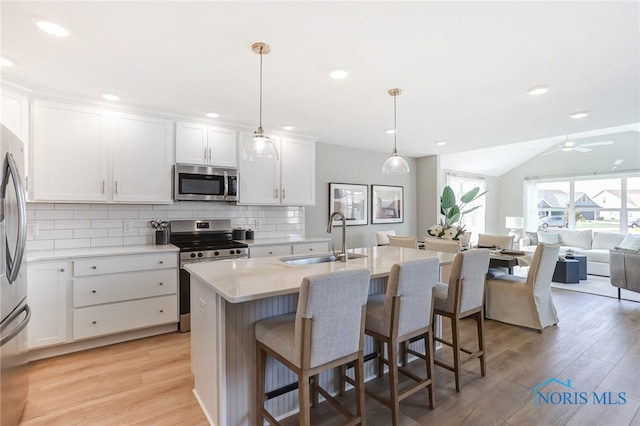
(201, 241)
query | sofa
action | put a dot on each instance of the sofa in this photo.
(594, 245)
(625, 269)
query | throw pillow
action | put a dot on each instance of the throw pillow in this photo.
(548, 238)
(533, 238)
(631, 241)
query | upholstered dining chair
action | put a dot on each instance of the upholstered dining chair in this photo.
(403, 241)
(447, 246)
(326, 331)
(504, 241)
(382, 237)
(526, 302)
(463, 297)
(405, 311)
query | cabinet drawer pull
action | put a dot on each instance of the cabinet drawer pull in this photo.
(161, 310)
(270, 252)
(93, 291)
(94, 322)
(161, 262)
(310, 249)
(283, 196)
(161, 284)
(94, 267)
(62, 270)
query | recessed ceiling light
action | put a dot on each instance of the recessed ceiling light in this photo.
(441, 142)
(5, 62)
(579, 114)
(390, 131)
(54, 28)
(212, 115)
(339, 74)
(538, 90)
(110, 97)
(287, 127)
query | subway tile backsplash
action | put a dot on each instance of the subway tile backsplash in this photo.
(62, 226)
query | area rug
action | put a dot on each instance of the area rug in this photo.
(593, 285)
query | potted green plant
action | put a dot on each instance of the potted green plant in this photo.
(452, 213)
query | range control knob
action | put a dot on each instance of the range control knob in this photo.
(199, 254)
(231, 251)
(193, 255)
(215, 253)
(237, 251)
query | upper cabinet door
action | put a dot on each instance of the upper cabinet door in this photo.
(142, 159)
(70, 153)
(206, 145)
(298, 184)
(223, 147)
(259, 180)
(191, 143)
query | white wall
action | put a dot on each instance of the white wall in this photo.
(62, 226)
(340, 164)
(599, 160)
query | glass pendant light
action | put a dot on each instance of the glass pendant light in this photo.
(260, 147)
(395, 164)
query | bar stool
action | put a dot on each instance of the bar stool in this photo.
(405, 311)
(308, 342)
(463, 297)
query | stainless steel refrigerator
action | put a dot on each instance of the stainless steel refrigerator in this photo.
(14, 310)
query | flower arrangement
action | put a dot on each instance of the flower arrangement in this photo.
(452, 213)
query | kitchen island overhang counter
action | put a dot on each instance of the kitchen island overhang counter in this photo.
(242, 280)
(229, 297)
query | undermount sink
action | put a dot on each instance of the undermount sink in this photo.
(317, 258)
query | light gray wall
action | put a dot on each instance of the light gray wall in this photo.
(341, 164)
(599, 160)
(429, 184)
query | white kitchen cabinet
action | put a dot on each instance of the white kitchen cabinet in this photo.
(206, 145)
(272, 250)
(309, 248)
(84, 154)
(142, 159)
(288, 181)
(15, 114)
(47, 296)
(70, 153)
(115, 294)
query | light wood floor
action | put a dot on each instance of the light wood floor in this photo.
(596, 345)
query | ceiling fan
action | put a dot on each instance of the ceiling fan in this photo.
(573, 146)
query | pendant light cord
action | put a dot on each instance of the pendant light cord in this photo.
(395, 124)
(261, 87)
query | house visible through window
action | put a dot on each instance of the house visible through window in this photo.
(603, 204)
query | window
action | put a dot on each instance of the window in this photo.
(474, 221)
(603, 204)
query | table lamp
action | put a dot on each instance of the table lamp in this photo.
(516, 224)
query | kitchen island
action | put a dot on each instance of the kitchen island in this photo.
(228, 297)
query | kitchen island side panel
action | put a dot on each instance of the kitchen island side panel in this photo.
(223, 356)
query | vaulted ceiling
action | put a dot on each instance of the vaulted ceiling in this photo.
(463, 67)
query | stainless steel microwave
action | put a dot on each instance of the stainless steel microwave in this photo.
(203, 183)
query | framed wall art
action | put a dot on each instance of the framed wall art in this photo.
(387, 204)
(352, 200)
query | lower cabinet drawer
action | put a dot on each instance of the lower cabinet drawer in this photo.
(115, 264)
(304, 248)
(117, 317)
(264, 251)
(118, 287)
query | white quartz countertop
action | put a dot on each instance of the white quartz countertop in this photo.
(38, 255)
(242, 280)
(290, 240)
